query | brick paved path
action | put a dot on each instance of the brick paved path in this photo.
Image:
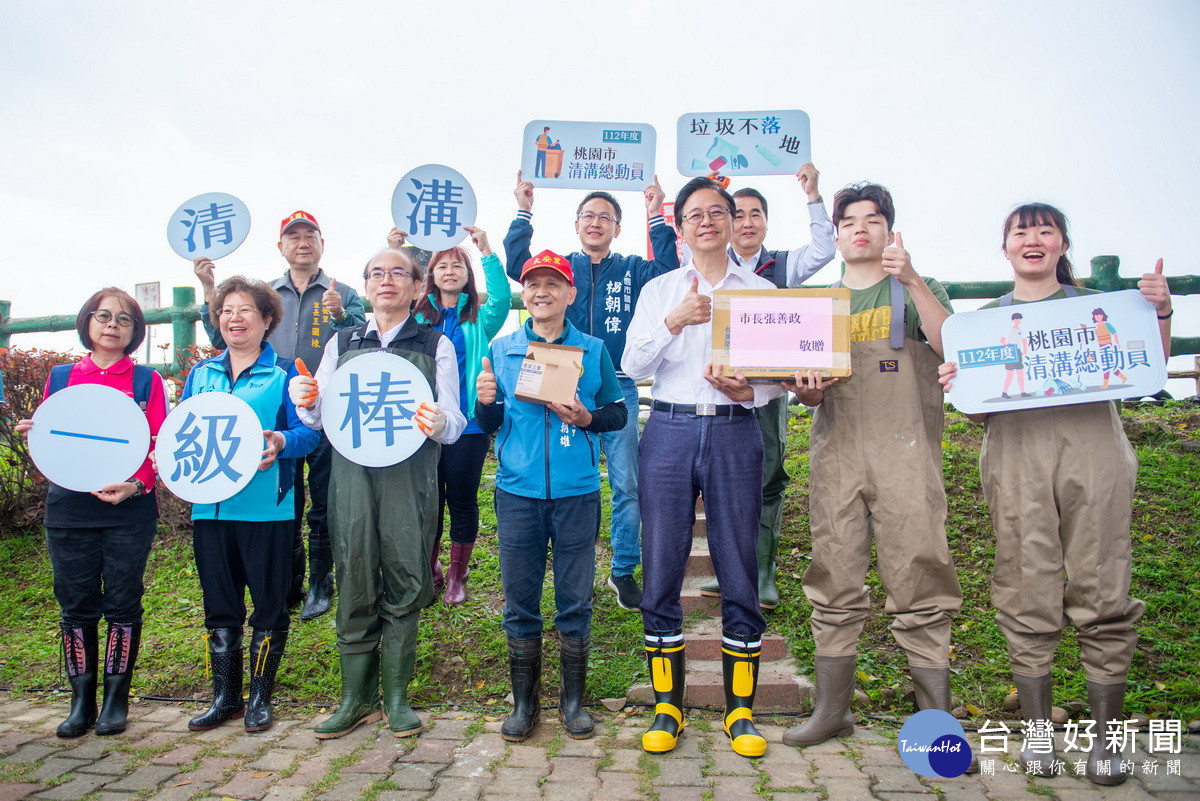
(461, 756)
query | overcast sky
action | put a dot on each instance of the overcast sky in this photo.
(111, 115)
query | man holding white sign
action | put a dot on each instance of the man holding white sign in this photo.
(784, 268)
(607, 288)
(315, 306)
(383, 519)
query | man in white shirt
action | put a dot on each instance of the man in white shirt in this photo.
(383, 520)
(701, 437)
(784, 268)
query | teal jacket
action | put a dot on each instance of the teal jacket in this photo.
(263, 385)
(488, 322)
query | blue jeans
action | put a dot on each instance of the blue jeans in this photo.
(98, 571)
(528, 528)
(684, 456)
(621, 453)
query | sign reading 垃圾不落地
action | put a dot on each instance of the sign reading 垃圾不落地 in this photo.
(743, 142)
(612, 156)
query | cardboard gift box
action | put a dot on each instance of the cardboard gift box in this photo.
(549, 373)
(769, 334)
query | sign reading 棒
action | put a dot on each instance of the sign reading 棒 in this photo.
(770, 334)
(367, 409)
(434, 204)
(88, 436)
(209, 226)
(743, 142)
(1055, 352)
(209, 447)
(588, 155)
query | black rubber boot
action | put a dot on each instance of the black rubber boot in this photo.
(665, 657)
(225, 661)
(525, 669)
(831, 712)
(120, 656)
(1034, 694)
(573, 663)
(1104, 762)
(360, 696)
(80, 652)
(739, 666)
(296, 591)
(266, 651)
(320, 582)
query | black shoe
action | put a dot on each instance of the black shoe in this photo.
(629, 594)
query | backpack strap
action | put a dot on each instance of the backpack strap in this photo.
(59, 375)
(1068, 290)
(143, 376)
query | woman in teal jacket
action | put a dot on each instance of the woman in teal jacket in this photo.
(450, 303)
(245, 542)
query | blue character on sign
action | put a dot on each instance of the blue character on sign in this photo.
(214, 222)
(193, 458)
(385, 402)
(436, 203)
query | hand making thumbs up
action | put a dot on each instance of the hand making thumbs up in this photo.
(485, 384)
(333, 301)
(694, 309)
(896, 261)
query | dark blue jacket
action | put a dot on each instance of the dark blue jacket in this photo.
(606, 293)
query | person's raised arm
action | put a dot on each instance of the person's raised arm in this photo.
(520, 232)
(896, 262)
(1155, 290)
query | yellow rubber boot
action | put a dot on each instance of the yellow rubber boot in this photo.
(664, 655)
(739, 665)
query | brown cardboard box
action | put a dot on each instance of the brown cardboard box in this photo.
(775, 341)
(549, 373)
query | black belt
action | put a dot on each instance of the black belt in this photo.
(703, 409)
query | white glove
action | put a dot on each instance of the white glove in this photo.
(431, 420)
(303, 391)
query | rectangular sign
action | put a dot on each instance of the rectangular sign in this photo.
(613, 156)
(770, 334)
(549, 373)
(743, 142)
(1055, 352)
(148, 296)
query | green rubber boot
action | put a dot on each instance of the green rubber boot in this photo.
(360, 696)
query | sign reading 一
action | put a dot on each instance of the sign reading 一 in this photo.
(743, 142)
(588, 155)
(1084, 349)
(208, 226)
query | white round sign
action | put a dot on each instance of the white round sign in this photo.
(208, 226)
(434, 203)
(209, 447)
(368, 407)
(88, 436)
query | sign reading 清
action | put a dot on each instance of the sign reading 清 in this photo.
(208, 226)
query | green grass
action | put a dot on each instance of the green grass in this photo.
(462, 657)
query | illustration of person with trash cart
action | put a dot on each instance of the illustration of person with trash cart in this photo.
(1016, 368)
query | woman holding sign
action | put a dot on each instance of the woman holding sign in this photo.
(450, 303)
(245, 542)
(1059, 483)
(99, 541)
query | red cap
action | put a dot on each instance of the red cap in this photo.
(297, 217)
(550, 260)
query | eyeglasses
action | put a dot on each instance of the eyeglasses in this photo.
(397, 273)
(589, 217)
(697, 216)
(240, 311)
(104, 317)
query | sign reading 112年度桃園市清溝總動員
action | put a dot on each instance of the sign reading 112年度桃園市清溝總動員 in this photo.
(1082, 349)
(612, 156)
(743, 142)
